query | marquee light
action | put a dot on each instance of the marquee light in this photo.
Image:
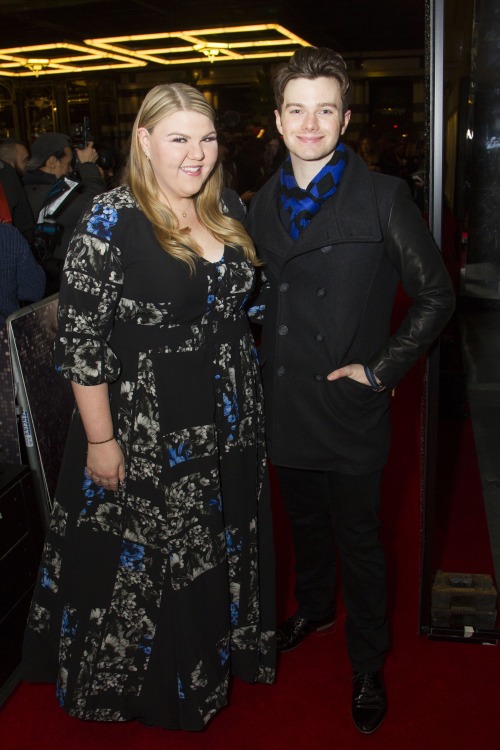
(223, 44)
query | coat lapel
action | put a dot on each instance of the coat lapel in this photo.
(350, 215)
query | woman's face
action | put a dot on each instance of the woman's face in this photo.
(273, 146)
(182, 149)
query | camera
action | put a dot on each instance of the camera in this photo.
(107, 157)
(82, 134)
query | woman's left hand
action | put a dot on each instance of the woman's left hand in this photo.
(106, 465)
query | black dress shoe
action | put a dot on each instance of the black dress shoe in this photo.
(293, 631)
(369, 701)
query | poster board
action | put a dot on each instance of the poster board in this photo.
(10, 447)
(44, 398)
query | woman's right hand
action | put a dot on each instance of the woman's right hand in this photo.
(106, 465)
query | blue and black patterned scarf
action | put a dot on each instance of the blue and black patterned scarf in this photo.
(302, 205)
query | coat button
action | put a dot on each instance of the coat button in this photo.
(318, 377)
(326, 249)
(283, 330)
(321, 292)
(280, 370)
(319, 337)
(283, 287)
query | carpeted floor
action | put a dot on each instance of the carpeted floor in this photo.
(442, 695)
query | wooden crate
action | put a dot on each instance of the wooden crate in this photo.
(464, 599)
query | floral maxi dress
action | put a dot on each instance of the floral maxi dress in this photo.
(150, 597)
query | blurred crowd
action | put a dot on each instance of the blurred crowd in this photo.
(403, 157)
(42, 193)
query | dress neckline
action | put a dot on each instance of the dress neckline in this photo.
(215, 262)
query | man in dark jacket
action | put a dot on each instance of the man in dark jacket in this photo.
(336, 240)
(21, 278)
(49, 177)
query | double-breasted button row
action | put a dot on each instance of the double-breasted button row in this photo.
(281, 370)
(284, 287)
(283, 330)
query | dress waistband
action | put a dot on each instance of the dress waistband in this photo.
(183, 337)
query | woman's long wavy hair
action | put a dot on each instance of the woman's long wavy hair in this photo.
(161, 102)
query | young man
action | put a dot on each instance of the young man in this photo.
(336, 240)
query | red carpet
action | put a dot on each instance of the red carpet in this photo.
(442, 696)
(462, 534)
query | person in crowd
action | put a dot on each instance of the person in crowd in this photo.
(109, 163)
(368, 152)
(46, 181)
(157, 579)
(337, 239)
(389, 162)
(14, 153)
(226, 157)
(249, 161)
(274, 153)
(22, 279)
(14, 205)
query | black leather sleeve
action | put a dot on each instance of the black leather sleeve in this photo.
(414, 254)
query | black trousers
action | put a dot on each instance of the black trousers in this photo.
(334, 513)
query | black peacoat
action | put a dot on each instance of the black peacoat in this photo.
(328, 303)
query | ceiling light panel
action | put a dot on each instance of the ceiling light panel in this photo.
(61, 57)
(227, 43)
(195, 46)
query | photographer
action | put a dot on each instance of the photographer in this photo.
(58, 192)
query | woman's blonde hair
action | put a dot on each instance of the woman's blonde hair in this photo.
(161, 102)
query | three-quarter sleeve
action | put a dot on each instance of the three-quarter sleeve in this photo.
(90, 292)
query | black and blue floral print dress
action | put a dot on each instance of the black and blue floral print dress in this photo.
(150, 597)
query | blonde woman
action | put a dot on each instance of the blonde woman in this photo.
(157, 577)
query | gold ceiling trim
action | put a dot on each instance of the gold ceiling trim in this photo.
(48, 59)
(195, 46)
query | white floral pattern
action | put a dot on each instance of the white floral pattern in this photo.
(170, 569)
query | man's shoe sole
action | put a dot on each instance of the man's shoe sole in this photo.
(317, 631)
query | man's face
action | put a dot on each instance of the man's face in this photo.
(311, 119)
(62, 166)
(21, 158)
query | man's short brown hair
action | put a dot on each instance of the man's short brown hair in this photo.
(312, 62)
